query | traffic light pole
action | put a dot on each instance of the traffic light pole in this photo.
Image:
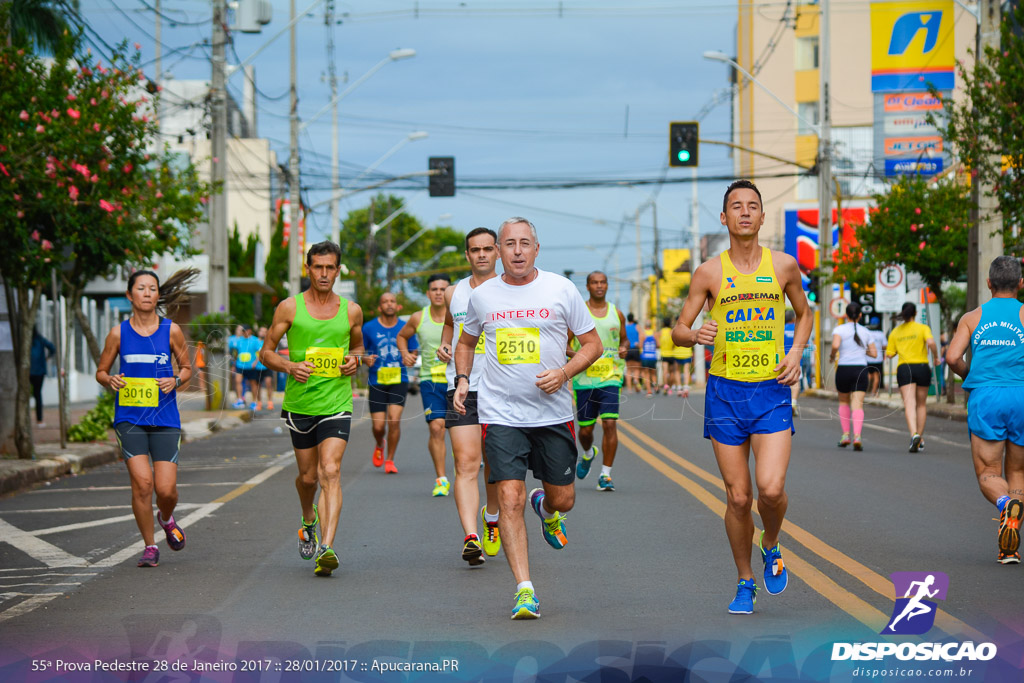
(824, 188)
(294, 271)
(695, 256)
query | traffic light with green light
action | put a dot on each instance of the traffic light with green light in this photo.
(812, 288)
(683, 138)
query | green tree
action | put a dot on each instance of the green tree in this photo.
(38, 24)
(242, 263)
(84, 191)
(276, 270)
(987, 126)
(922, 225)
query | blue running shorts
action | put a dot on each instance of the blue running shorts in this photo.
(597, 403)
(734, 410)
(997, 414)
(435, 400)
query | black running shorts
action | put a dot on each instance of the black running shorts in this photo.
(914, 373)
(549, 451)
(851, 378)
(309, 431)
(453, 419)
(160, 443)
(383, 395)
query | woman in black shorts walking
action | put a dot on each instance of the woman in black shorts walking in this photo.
(851, 342)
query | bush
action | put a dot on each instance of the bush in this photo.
(95, 423)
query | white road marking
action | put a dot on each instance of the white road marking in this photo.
(89, 489)
(16, 585)
(47, 553)
(96, 508)
(26, 606)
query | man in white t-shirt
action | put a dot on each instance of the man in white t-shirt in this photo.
(524, 401)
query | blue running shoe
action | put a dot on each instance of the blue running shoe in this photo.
(776, 576)
(526, 606)
(746, 596)
(604, 483)
(238, 405)
(553, 528)
(586, 460)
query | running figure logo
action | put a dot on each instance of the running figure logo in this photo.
(914, 613)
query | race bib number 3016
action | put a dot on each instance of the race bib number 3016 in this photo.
(139, 392)
(750, 359)
(326, 361)
(518, 345)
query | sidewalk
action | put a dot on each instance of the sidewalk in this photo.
(937, 406)
(52, 461)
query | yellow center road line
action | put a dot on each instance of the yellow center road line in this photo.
(847, 601)
(830, 590)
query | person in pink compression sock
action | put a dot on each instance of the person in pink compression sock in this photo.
(851, 343)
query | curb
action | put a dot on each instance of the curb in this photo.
(53, 463)
(955, 412)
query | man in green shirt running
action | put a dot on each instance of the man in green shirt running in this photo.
(427, 325)
(325, 343)
(597, 390)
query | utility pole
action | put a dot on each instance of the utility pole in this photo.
(294, 192)
(985, 241)
(335, 161)
(157, 58)
(370, 244)
(698, 353)
(218, 300)
(658, 274)
(824, 179)
(638, 293)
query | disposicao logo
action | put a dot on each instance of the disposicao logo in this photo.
(914, 615)
(909, 25)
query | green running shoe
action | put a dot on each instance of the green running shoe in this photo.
(526, 606)
(326, 561)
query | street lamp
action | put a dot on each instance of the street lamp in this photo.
(437, 257)
(824, 166)
(293, 251)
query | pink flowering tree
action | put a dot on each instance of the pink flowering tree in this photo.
(84, 187)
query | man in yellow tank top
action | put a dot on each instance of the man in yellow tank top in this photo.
(747, 403)
(426, 324)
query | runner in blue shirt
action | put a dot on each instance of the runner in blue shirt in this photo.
(146, 420)
(389, 379)
(632, 354)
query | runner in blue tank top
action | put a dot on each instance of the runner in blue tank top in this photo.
(994, 377)
(146, 420)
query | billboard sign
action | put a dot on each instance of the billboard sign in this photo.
(912, 46)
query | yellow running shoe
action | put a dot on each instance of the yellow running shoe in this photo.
(492, 538)
(326, 561)
(442, 487)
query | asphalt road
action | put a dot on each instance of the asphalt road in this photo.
(640, 591)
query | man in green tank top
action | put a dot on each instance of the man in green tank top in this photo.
(325, 343)
(598, 388)
(427, 325)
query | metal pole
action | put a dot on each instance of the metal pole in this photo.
(989, 220)
(335, 161)
(637, 286)
(60, 344)
(657, 261)
(294, 271)
(695, 257)
(158, 57)
(824, 182)
(218, 295)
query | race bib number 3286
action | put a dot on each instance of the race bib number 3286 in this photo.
(750, 360)
(518, 345)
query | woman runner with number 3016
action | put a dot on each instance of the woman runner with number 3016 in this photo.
(146, 419)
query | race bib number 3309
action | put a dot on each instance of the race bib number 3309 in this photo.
(518, 345)
(326, 361)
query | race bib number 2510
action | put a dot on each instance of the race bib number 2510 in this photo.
(518, 345)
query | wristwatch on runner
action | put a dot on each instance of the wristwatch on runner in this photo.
(177, 381)
(457, 379)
